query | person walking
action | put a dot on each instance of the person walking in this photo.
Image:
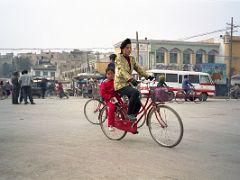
(26, 81)
(43, 86)
(16, 88)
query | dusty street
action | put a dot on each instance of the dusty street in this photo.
(53, 140)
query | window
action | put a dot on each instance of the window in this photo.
(205, 79)
(186, 58)
(52, 74)
(211, 58)
(160, 56)
(180, 79)
(37, 73)
(199, 58)
(171, 78)
(173, 57)
(45, 73)
(194, 78)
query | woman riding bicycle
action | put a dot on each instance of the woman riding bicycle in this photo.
(124, 66)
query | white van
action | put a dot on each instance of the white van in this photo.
(201, 81)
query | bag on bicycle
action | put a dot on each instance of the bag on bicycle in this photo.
(160, 95)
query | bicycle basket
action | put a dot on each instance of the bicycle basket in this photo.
(159, 95)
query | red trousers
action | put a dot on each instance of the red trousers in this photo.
(111, 113)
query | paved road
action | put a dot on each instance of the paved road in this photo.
(52, 140)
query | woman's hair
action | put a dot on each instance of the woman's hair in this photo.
(125, 43)
(110, 69)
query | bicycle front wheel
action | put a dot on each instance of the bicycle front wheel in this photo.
(165, 126)
(117, 134)
(91, 110)
(197, 97)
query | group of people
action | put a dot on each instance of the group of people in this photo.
(120, 82)
(21, 88)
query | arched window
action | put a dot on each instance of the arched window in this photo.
(199, 56)
(160, 55)
(211, 56)
(187, 56)
(174, 56)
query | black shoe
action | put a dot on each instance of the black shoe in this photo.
(131, 117)
(26, 103)
(33, 103)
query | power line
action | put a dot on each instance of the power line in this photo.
(207, 33)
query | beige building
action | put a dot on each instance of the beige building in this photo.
(235, 67)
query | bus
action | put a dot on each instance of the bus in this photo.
(201, 81)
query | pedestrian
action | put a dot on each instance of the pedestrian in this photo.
(112, 58)
(2, 95)
(16, 88)
(26, 82)
(61, 91)
(43, 86)
(8, 88)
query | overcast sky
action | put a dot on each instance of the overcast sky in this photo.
(102, 23)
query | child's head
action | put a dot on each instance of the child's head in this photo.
(110, 73)
(162, 78)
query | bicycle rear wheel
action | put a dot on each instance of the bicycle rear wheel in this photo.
(227, 96)
(165, 126)
(91, 110)
(180, 97)
(117, 134)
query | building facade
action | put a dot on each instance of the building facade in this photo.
(178, 55)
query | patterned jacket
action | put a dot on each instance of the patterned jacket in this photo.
(124, 73)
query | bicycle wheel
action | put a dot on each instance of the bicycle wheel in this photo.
(180, 97)
(170, 96)
(197, 98)
(91, 110)
(165, 126)
(117, 134)
(227, 96)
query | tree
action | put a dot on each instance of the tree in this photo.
(23, 63)
(7, 70)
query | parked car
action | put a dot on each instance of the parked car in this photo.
(36, 89)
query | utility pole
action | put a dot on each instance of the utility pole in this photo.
(230, 55)
(137, 46)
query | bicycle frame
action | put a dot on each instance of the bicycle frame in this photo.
(145, 110)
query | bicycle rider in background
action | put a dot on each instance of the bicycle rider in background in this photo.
(162, 83)
(186, 86)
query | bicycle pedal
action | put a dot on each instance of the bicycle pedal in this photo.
(135, 132)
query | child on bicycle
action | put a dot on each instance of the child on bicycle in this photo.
(162, 83)
(109, 95)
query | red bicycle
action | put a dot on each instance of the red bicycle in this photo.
(164, 123)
